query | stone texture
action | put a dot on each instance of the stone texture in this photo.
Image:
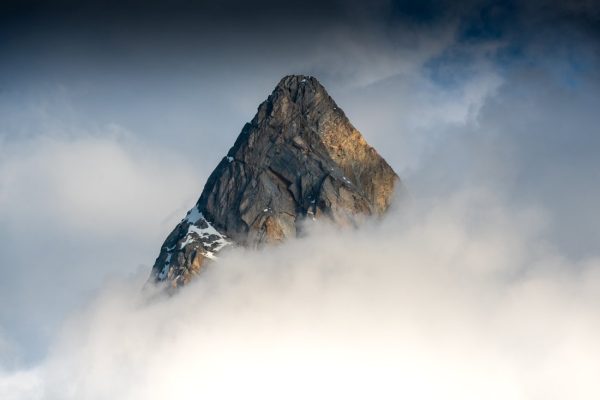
(299, 158)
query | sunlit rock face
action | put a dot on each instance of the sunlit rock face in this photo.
(299, 159)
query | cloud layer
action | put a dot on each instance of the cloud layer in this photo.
(73, 211)
(460, 301)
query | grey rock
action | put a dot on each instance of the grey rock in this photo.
(299, 158)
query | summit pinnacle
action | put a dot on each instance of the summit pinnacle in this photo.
(299, 158)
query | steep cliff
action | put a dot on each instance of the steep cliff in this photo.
(299, 157)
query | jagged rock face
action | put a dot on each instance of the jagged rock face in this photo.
(299, 158)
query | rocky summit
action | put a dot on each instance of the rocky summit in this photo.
(299, 159)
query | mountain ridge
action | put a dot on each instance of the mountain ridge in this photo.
(299, 158)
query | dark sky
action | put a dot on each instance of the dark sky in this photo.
(118, 32)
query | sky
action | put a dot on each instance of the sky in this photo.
(115, 113)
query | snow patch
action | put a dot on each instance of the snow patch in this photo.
(211, 239)
(193, 215)
(209, 236)
(165, 269)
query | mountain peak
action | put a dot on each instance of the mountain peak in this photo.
(300, 88)
(299, 159)
(293, 81)
(295, 97)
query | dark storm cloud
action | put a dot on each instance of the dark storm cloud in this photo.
(74, 36)
(166, 14)
(50, 41)
(70, 38)
(478, 19)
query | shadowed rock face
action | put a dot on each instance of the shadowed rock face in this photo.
(299, 158)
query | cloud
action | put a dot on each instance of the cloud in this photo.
(90, 184)
(461, 300)
(74, 209)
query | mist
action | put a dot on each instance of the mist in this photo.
(461, 300)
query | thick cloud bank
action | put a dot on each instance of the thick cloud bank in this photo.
(461, 300)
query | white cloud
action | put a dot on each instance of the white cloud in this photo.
(93, 183)
(463, 301)
(74, 210)
(23, 384)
